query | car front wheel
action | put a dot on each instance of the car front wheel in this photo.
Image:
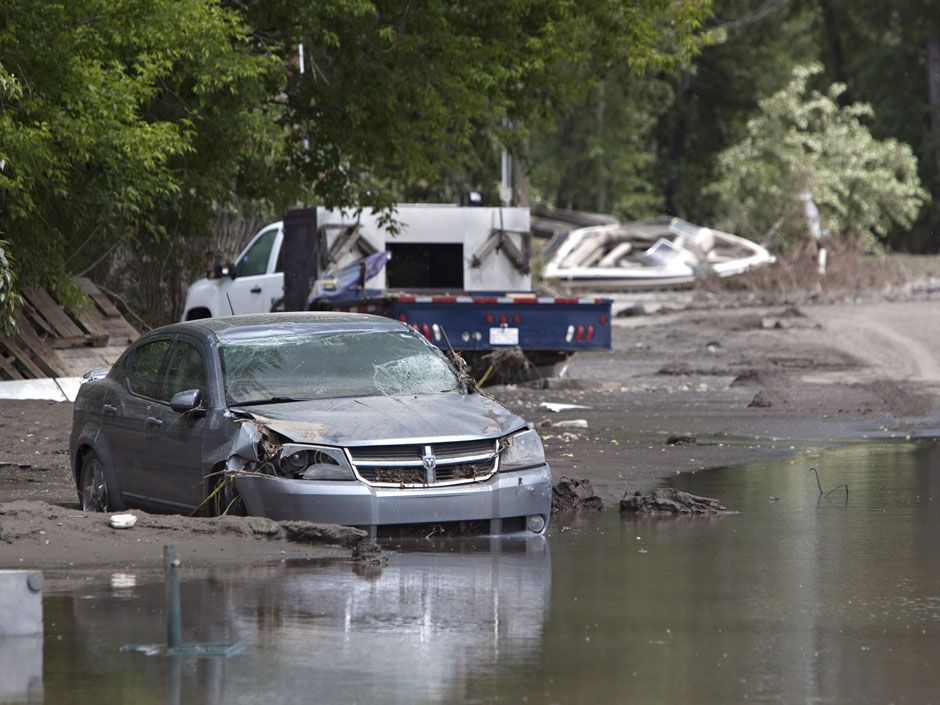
(94, 485)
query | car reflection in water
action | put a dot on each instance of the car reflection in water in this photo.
(417, 630)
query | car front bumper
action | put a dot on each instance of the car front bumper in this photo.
(506, 495)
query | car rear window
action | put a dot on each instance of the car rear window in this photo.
(336, 364)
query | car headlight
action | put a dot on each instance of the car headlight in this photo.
(314, 463)
(521, 450)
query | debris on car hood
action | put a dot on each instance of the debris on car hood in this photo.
(344, 422)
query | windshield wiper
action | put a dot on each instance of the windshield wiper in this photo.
(269, 400)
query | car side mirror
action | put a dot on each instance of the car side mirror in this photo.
(187, 400)
(223, 269)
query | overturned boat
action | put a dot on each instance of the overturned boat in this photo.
(665, 252)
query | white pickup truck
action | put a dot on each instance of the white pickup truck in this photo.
(439, 247)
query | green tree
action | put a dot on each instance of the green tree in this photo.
(130, 111)
(759, 42)
(805, 141)
(395, 94)
(888, 55)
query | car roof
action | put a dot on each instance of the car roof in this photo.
(264, 325)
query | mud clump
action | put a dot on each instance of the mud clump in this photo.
(680, 441)
(575, 496)
(747, 378)
(309, 532)
(761, 400)
(668, 502)
(368, 552)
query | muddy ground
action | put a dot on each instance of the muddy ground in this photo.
(739, 384)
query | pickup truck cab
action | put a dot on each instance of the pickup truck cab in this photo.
(253, 284)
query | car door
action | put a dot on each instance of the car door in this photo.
(176, 477)
(257, 286)
(131, 426)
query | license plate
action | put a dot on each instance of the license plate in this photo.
(504, 336)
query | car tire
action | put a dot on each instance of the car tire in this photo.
(93, 491)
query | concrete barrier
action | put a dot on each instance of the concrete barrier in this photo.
(20, 602)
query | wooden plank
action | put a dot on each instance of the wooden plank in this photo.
(8, 369)
(103, 302)
(46, 357)
(90, 323)
(36, 317)
(23, 357)
(52, 312)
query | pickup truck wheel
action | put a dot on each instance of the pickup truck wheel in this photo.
(95, 494)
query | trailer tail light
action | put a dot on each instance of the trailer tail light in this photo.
(426, 329)
(569, 334)
(437, 332)
(517, 319)
(579, 336)
(403, 318)
(603, 320)
(590, 333)
(489, 318)
(504, 319)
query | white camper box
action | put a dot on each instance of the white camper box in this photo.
(472, 248)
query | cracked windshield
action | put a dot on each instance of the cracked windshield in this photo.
(461, 353)
(343, 364)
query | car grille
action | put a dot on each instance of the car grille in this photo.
(404, 466)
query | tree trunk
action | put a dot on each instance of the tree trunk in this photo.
(834, 48)
(933, 96)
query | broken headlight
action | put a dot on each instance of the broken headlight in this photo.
(521, 450)
(314, 463)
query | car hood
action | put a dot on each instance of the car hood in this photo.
(362, 421)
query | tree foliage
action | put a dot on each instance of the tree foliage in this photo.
(128, 111)
(394, 94)
(803, 140)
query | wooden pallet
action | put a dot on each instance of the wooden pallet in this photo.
(52, 341)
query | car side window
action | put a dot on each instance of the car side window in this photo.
(255, 259)
(145, 374)
(186, 370)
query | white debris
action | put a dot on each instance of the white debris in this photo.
(556, 407)
(122, 521)
(571, 423)
(49, 389)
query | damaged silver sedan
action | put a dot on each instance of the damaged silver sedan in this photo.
(341, 418)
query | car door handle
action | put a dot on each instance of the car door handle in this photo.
(154, 421)
(108, 409)
(255, 290)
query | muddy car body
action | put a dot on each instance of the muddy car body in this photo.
(342, 418)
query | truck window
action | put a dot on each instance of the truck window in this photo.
(424, 266)
(255, 259)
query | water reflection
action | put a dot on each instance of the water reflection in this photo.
(418, 631)
(21, 669)
(792, 600)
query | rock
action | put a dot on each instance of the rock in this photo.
(309, 532)
(669, 501)
(575, 495)
(681, 440)
(122, 521)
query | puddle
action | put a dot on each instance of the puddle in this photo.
(789, 601)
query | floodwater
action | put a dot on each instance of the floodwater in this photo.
(795, 600)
